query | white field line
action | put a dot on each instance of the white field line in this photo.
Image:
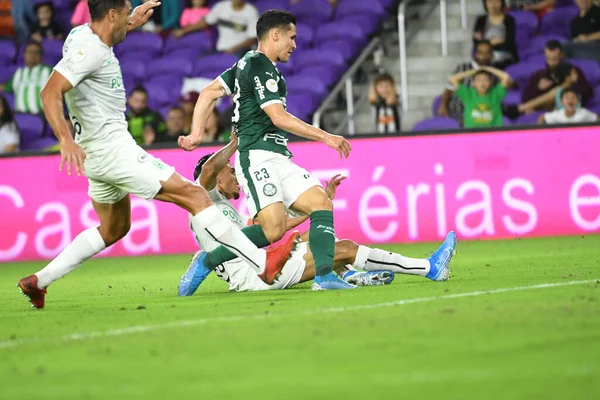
(185, 323)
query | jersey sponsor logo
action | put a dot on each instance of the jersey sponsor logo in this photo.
(143, 157)
(241, 64)
(269, 190)
(116, 82)
(259, 88)
(269, 73)
(80, 55)
(67, 64)
(278, 139)
(272, 86)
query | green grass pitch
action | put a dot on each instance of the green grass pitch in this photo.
(114, 329)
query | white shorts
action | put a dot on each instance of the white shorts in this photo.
(127, 168)
(267, 177)
(242, 278)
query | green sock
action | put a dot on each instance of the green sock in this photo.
(221, 254)
(321, 240)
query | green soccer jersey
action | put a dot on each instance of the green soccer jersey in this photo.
(482, 110)
(256, 83)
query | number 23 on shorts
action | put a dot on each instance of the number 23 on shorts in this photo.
(261, 174)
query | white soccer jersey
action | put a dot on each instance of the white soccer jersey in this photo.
(97, 101)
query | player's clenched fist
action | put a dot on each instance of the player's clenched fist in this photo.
(73, 156)
(340, 144)
(189, 142)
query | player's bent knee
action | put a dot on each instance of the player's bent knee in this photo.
(196, 198)
(115, 232)
(274, 232)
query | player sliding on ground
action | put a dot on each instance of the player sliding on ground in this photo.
(215, 173)
(271, 181)
(89, 77)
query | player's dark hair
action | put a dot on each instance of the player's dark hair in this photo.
(554, 45)
(482, 72)
(503, 6)
(200, 164)
(273, 19)
(99, 8)
(485, 43)
(139, 89)
(568, 90)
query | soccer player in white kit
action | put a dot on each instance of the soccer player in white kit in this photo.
(215, 173)
(89, 78)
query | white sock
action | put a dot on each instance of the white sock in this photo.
(380, 259)
(214, 223)
(87, 244)
(362, 256)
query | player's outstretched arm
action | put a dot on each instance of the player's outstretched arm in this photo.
(52, 99)
(287, 122)
(214, 165)
(142, 14)
(204, 107)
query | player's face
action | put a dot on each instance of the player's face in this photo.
(483, 54)
(286, 43)
(570, 101)
(120, 23)
(482, 83)
(228, 183)
(552, 58)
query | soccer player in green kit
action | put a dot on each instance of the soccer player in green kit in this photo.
(273, 184)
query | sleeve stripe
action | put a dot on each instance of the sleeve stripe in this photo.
(268, 103)
(227, 88)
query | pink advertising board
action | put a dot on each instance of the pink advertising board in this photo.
(399, 189)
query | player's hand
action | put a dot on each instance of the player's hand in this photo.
(233, 137)
(141, 14)
(73, 156)
(331, 186)
(189, 142)
(340, 144)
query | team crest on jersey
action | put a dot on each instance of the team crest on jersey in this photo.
(272, 86)
(269, 190)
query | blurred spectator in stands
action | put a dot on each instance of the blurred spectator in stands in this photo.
(46, 26)
(236, 23)
(544, 86)
(539, 7)
(214, 130)
(482, 101)
(175, 124)
(384, 101)
(23, 17)
(571, 113)
(28, 81)
(451, 106)
(169, 10)
(81, 15)
(499, 29)
(187, 102)
(585, 32)
(194, 11)
(9, 134)
(143, 122)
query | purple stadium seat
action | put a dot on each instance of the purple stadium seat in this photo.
(53, 48)
(141, 56)
(30, 126)
(528, 119)
(521, 72)
(40, 144)
(368, 24)
(59, 4)
(10, 99)
(287, 69)
(564, 3)
(345, 47)
(536, 45)
(590, 68)
(436, 124)
(7, 72)
(134, 69)
(558, 22)
(312, 9)
(435, 105)
(158, 96)
(513, 96)
(264, 5)
(305, 35)
(8, 51)
(171, 83)
(526, 21)
(340, 30)
(326, 74)
(189, 54)
(140, 42)
(506, 121)
(312, 58)
(305, 84)
(301, 105)
(168, 65)
(214, 64)
(359, 7)
(200, 41)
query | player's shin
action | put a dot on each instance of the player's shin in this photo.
(321, 240)
(85, 245)
(234, 243)
(376, 259)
